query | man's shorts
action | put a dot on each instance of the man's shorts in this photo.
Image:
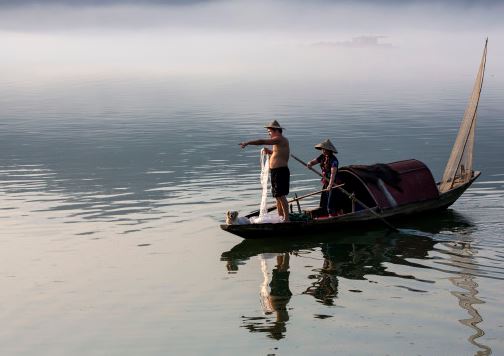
(280, 179)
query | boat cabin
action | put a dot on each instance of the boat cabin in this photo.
(384, 186)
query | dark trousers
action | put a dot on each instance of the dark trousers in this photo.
(328, 200)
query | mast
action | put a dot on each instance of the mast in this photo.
(459, 170)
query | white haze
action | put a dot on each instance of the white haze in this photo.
(264, 40)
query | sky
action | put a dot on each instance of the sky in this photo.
(261, 39)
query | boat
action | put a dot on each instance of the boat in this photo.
(379, 193)
(402, 243)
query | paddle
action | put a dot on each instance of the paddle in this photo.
(351, 196)
(271, 208)
(310, 194)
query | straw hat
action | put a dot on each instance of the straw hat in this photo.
(327, 145)
(273, 125)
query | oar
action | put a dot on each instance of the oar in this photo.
(350, 196)
(306, 165)
(271, 208)
(310, 194)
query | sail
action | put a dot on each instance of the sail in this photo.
(459, 167)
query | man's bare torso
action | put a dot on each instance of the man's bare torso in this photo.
(281, 153)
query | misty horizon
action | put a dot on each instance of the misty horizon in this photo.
(262, 40)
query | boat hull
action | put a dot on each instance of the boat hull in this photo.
(363, 219)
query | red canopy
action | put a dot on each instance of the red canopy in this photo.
(395, 184)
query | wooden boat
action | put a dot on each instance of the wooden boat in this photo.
(355, 239)
(383, 192)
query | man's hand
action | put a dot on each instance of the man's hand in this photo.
(243, 144)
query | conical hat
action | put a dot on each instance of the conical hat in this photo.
(327, 145)
(273, 125)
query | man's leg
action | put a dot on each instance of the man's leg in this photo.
(279, 207)
(330, 202)
(323, 201)
(283, 262)
(283, 210)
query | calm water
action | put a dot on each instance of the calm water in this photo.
(111, 193)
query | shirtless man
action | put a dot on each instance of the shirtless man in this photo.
(280, 174)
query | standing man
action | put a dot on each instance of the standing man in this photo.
(280, 174)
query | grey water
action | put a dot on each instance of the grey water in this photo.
(112, 191)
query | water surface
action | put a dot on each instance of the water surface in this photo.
(112, 190)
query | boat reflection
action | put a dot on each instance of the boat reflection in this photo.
(357, 256)
(423, 231)
(363, 258)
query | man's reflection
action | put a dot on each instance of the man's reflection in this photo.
(276, 297)
(355, 261)
(275, 294)
(325, 286)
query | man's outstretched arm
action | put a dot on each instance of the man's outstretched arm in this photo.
(271, 141)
